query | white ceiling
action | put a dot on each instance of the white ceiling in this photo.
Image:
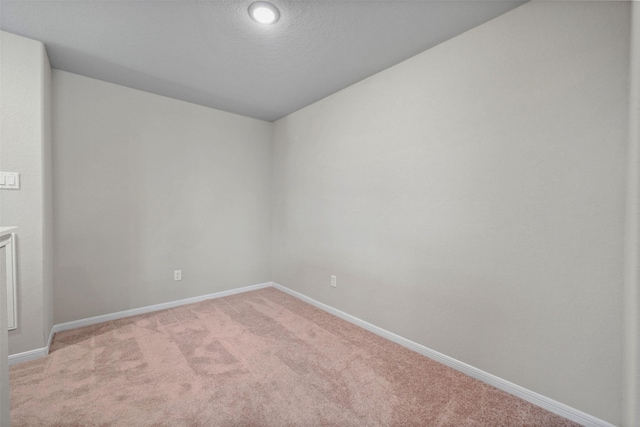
(211, 53)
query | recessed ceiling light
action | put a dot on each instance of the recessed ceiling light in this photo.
(263, 12)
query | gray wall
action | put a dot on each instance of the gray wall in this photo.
(25, 140)
(47, 187)
(5, 402)
(472, 199)
(632, 232)
(145, 185)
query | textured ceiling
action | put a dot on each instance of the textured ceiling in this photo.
(211, 53)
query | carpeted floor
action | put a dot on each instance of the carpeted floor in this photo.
(260, 358)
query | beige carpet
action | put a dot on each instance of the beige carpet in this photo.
(261, 358)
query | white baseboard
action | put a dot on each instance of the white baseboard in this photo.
(28, 355)
(497, 382)
(504, 385)
(51, 334)
(156, 307)
(42, 352)
(32, 354)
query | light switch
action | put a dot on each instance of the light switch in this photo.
(9, 180)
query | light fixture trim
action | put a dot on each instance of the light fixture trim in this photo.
(264, 13)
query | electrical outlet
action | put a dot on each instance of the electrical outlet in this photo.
(333, 281)
(177, 275)
(9, 180)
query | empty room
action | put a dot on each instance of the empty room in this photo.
(319, 213)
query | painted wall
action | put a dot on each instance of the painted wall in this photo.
(5, 398)
(471, 199)
(25, 85)
(145, 185)
(631, 400)
(47, 219)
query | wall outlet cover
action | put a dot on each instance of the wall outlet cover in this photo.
(9, 180)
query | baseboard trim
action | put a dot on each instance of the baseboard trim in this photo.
(497, 382)
(150, 308)
(51, 334)
(28, 355)
(502, 384)
(42, 352)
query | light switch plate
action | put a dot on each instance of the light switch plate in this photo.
(9, 180)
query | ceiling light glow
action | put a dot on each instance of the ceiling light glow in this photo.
(264, 13)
